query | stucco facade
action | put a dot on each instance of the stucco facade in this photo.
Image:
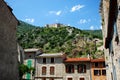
(8, 45)
(98, 70)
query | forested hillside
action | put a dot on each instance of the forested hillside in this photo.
(69, 40)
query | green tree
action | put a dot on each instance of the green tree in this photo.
(23, 69)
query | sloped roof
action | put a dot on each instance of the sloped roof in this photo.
(77, 59)
(51, 55)
(98, 60)
(31, 50)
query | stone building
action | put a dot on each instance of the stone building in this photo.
(58, 67)
(77, 69)
(110, 13)
(56, 25)
(50, 66)
(8, 44)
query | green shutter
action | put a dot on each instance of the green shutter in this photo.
(29, 64)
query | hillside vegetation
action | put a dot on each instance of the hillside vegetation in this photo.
(70, 40)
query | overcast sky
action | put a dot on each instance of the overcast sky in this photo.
(82, 14)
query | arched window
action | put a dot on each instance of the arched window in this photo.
(43, 70)
(52, 70)
(81, 68)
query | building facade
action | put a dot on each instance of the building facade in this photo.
(56, 25)
(56, 66)
(50, 66)
(98, 70)
(110, 13)
(29, 60)
(8, 44)
(77, 69)
(59, 67)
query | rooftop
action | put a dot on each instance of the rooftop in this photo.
(51, 55)
(77, 59)
(98, 60)
(31, 50)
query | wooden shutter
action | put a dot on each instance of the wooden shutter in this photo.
(84, 68)
(72, 66)
(44, 70)
(67, 68)
(52, 70)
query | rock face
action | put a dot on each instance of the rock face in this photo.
(8, 46)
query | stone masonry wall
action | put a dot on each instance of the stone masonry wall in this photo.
(8, 46)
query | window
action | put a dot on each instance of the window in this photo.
(43, 78)
(44, 60)
(96, 64)
(81, 79)
(103, 64)
(69, 79)
(69, 68)
(97, 72)
(44, 70)
(51, 79)
(103, 72)
(29, 56)
(52, 70)
(81, 68)
(52, 60)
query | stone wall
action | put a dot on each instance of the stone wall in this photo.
(58, 65)
(76, 75)
(8, 46)
(112, 54)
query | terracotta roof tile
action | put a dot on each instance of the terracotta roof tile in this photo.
(77, 59)
(98, 60)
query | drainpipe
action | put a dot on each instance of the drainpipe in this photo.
(90, 69)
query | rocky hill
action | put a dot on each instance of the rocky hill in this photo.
(70, 40)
